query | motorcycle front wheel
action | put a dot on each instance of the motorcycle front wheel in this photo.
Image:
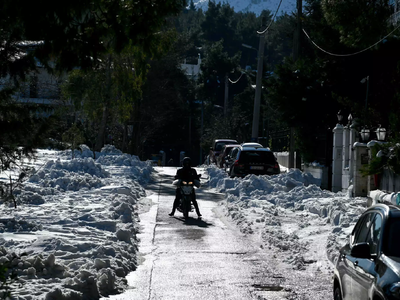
(185, 207)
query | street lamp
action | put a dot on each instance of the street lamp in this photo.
(380, 133)
(365, 133)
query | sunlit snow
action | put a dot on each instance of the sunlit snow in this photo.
(73, 233)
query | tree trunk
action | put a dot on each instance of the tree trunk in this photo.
(103, 125)
(102, 130)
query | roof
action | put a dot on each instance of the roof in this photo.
(225, 140)
(386, 208)
(254, 145)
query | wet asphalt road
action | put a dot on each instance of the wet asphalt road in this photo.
(197, 258)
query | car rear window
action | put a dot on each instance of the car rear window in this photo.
(257, 157)
(221, 144)
(228, 149)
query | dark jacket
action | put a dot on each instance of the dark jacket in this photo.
(186, 174)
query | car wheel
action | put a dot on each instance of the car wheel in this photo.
(337, 294)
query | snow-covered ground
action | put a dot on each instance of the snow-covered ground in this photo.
(289, 211)
(73, 233)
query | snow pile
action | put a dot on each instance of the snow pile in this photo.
(73, 235)
(267, 206)
(115, 158)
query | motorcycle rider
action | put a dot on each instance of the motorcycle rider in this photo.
(186, 173)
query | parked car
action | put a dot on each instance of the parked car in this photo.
(257, 160)
(368, 266)
(255, 145)
(217, 148)
(224, 153)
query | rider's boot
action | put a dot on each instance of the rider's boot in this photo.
(175, 206)
(196, 207)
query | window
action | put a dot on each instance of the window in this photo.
(373, 236)
(257, 157)
(361, 230)
(391, 241)
(234, 153)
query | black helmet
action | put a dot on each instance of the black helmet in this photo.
(187, 162)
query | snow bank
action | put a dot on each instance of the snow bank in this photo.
(73, 235)
(257, 204)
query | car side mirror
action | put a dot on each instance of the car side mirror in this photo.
(361, 250)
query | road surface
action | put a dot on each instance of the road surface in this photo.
(197, 258)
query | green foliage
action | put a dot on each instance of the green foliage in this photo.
(383, 156)
(6, 279)
(215, 66)
(360, 23)
(78, 32)
(74, 137)
(167, 114)
(13, 168)
(106, 97)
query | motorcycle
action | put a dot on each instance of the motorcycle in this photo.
(186, 188)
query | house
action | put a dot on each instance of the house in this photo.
(41, 87)
(192, 71)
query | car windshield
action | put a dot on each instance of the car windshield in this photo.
(391, 244)
(257, 157)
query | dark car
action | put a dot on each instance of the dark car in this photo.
(368, 266)
(224, 153)
(217, 148)
(252, 159)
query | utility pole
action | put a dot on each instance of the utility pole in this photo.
(226, 95)
(296, 53)
(201, 131)
(257, 99)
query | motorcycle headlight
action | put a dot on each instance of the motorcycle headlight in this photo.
(395, 290)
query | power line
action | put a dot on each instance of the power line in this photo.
(262, 32)
(236, 80)
(349, 54)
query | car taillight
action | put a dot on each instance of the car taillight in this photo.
(236, 164)
(276, 166)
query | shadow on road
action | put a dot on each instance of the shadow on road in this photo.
(194, 222)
